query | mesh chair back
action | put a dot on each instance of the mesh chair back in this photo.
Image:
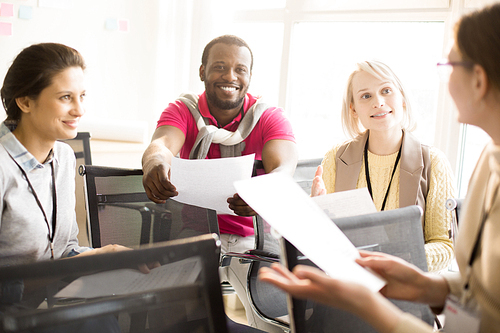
(120, 213)
(397, 232)
(81, 147)
(182, 304)
(304, 173)
(269, 302)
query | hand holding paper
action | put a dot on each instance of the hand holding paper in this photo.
(209, 182)
(298, 219)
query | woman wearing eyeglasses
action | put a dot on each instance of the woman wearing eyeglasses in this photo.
(386, 158)
(471, 298)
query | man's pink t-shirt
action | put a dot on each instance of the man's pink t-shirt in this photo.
(271, 126)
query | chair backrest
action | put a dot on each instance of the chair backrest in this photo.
(81, 146)
(119, 211)
(187, 302)
(268, 301)
(305, 171)
(397, 232)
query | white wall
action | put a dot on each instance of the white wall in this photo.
(121, 66)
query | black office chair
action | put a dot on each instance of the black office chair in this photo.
(120, 213)
(178, 306)
(397, 232)
(81, 146)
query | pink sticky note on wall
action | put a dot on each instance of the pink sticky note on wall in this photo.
(123, 25)
(5, 29)
(6, 9)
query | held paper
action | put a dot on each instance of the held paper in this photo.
(209, 183)
(342, 204)
(127, 281)
(294, 215)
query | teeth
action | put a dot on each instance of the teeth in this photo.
(228, 88)
(380, 114)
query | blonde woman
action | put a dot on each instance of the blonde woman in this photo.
(386, 158)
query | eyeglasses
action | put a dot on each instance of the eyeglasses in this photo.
(445, 68)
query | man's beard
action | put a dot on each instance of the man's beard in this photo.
(221, 104)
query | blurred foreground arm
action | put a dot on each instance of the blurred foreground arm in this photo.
(404, 281)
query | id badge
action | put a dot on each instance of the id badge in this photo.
(459, 318)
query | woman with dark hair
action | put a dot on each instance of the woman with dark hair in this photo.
(473, 295)
(43, 94)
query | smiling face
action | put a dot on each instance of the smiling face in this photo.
(377, 103)
(55, 113)
(227, 77)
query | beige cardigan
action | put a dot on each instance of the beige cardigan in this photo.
(485, 281)
(414, 171)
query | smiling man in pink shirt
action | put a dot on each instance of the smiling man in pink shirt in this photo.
(224, 121)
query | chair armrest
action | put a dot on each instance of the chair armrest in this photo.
(249, 256)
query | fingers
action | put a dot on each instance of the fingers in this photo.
(318, 187)
(157, 184)
(239, 206)
(311, 273)
(282, 278)
(319, 171)
(143, 268)
(146, 268)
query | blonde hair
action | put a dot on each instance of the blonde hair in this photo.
(351, 125)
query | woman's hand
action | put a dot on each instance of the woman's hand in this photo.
(308, 282)
(311, 283)
(318, 186)
(111, 248)
(404, 280)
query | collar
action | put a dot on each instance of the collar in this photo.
(410, 146)
(205, 111)
(18, 152)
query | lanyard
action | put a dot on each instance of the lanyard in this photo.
(475, 249)
(54, 205)
(367, 174)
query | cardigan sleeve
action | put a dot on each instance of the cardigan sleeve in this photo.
(329, 169)
(438, 245)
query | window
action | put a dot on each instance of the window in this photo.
(305, 50)
(324, 55)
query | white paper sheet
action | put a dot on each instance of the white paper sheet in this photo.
(294, 215)
(209, 182)
(346, 203)
(125, 281)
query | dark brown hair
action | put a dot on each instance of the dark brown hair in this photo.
(33, 70)
(477, 37)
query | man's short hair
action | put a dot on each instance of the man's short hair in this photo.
(228, 40)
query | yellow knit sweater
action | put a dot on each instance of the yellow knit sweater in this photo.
(438, 246)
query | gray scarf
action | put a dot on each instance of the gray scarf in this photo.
(231, 143)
